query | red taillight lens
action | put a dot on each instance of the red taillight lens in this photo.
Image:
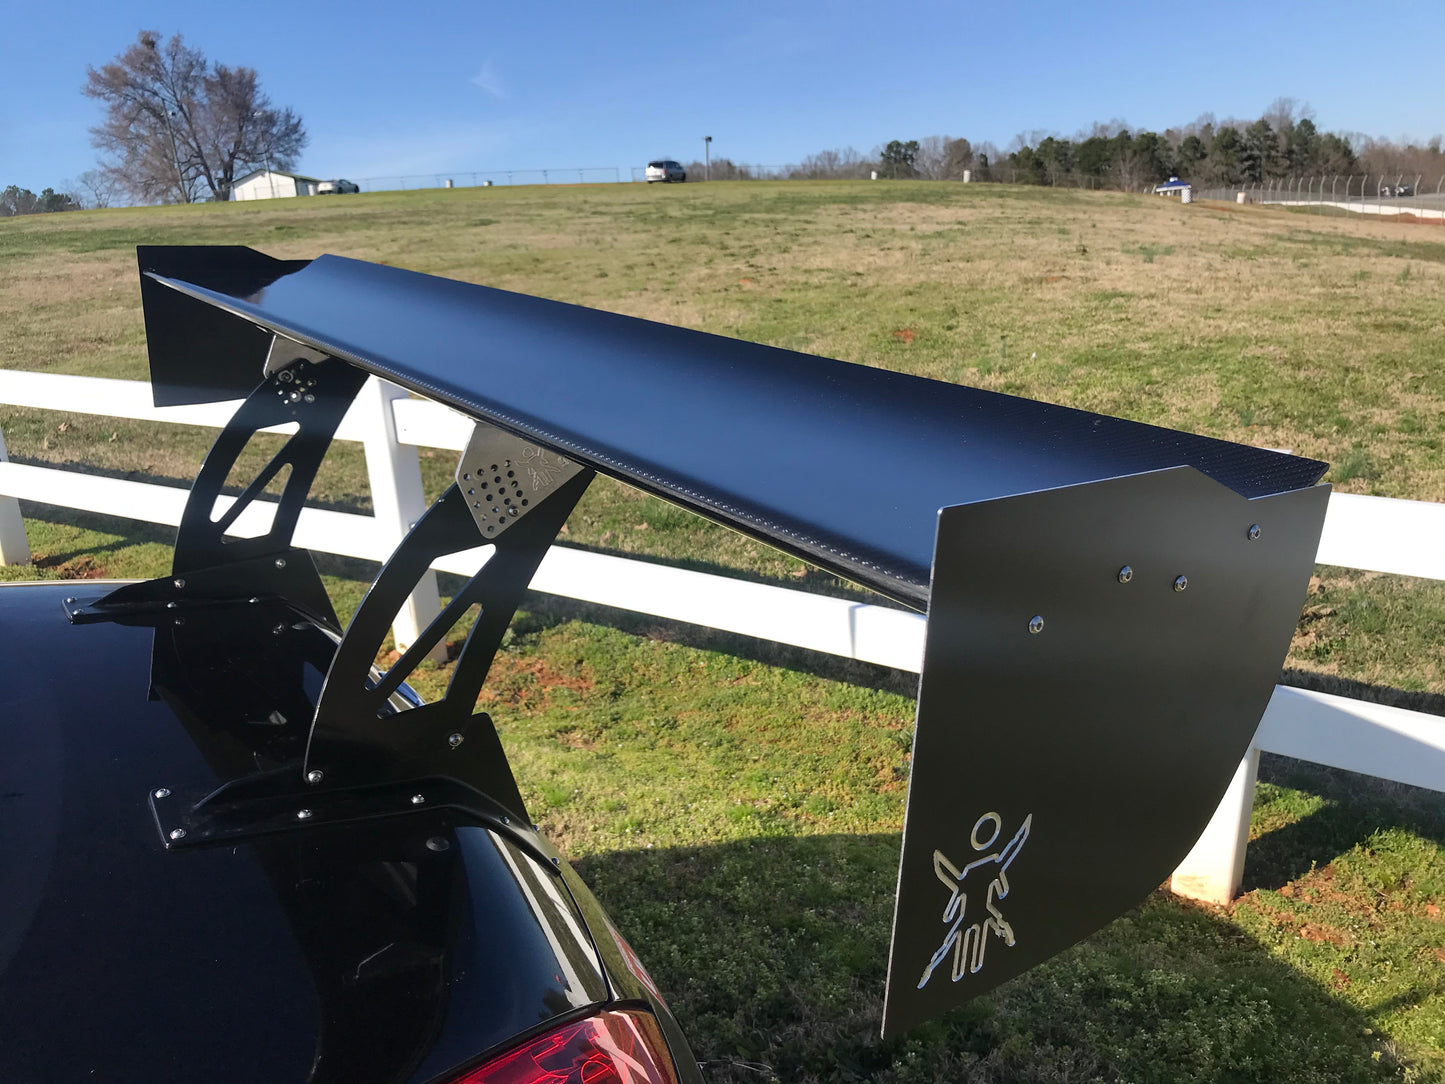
(623, 1047)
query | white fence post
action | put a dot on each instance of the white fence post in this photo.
(14, 546)
(1214, 870)
(397, 502)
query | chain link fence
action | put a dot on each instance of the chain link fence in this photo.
(1357, 193)
(486, 178)
(1417, 195)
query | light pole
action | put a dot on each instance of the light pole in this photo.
(707, 158)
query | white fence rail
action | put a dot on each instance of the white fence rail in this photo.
(1373, 533)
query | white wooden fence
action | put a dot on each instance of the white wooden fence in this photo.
(1373, 533)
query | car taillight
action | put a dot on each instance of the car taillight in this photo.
(620, 1047)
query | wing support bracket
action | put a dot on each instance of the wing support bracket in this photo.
(373, 748)
(304, 389)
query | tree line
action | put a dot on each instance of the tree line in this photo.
(1283, 142)
(15, 200)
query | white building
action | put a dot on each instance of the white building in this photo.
(273, 184)
(1175, 187)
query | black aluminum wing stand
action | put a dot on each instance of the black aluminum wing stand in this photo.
(302, 387)
(358, 737)
(373, 750)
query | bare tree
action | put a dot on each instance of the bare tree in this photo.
(96, 187)
(830, 164)
(179, 129)
(930, 158)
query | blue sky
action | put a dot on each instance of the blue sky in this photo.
(419, 88)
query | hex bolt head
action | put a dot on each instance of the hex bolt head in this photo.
(1181, 582)
(455, 740)
(1126, 574)
(178, 833)
(506, 820)
(163, 792)
(303, 814)
(418, 799)
(1036, 624)
(1254, 532)
(556, 861)
(179, 584)
(315, 776)
(438, 844)
(280, 562)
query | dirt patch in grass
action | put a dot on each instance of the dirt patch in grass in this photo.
(71, 568)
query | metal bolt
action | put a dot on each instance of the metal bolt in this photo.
(1181, 582)
(1253, 532)
(70, 602)
(303, 814)
(280, 562)
(1126, 574)
(179, 621)
(556, 861)
(173, 605)
(277, 630)
(418, 799)
(1036, 624)
(308, 397)
(506, 820)
(455, 740)
(178, 833)
(438, 843)
(163, 792)
(179, 584)
(315, 776)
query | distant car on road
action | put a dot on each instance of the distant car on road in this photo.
(665, 170)
(337, 187)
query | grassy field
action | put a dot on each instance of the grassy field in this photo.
(737, 805)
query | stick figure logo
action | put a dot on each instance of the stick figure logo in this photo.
(966, 944)
(543, 468)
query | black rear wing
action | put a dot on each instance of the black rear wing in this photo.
(1108, 602)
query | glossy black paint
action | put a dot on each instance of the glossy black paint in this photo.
(842, 464)
(388, 950)
(1112, 732)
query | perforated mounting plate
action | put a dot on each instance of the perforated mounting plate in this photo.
(503, 477)
(286, 352)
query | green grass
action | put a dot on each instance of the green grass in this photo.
(737, 805)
